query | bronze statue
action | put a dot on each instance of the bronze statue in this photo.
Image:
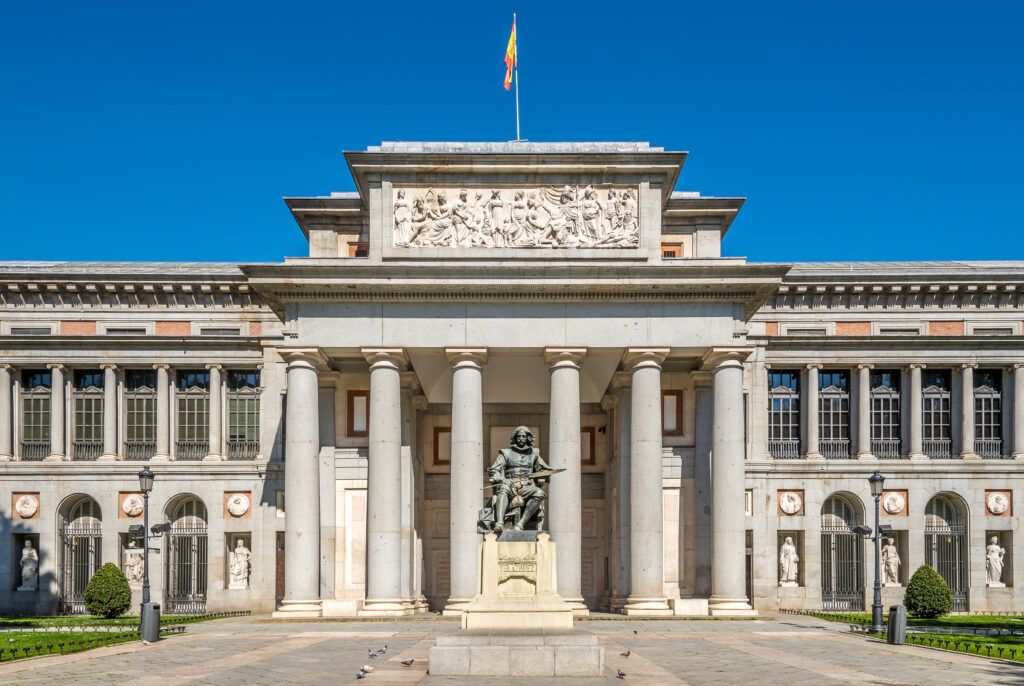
(516, 484)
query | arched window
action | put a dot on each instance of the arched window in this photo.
(187, 547)
(81, 535)
(944, 545)
(842, 575)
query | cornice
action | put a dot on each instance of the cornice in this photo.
(72, 292)
(1006, 293)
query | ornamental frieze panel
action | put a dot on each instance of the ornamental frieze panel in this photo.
(867, 297)
(569, 216)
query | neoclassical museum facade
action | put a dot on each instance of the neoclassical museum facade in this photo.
(319, 428)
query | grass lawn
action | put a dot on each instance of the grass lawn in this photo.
(1015, 641)
(128, 622)
(30, 639)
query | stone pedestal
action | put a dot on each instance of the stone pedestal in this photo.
(548, 653)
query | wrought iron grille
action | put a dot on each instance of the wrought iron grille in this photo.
(785, 449)
(989, 448)
(81, 538)
(835, 449)
(35, 450)
(944, 551)
(86, 449)
(186, 570)
(938, 448)
(842, 580)
(243, 450)
(139, 450)
(191, 450)
(886, 448)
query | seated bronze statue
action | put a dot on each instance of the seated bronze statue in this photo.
(518, 495)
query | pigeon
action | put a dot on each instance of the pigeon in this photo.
(383, 650)
(360, 674)
(621, 674)
(408, 662)
(634, 631)
(11, 640)
(371, 654)
(366, 668)
(625, 654)
(145, 643)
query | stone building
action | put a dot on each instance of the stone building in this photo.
(333, 415)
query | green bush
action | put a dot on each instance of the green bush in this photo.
(107, 594)
(927, 594)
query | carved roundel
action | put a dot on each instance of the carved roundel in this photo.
(132, 505)
(997, 502)
(238, 504)
(26, 506)
(790, 502)
(894, 502)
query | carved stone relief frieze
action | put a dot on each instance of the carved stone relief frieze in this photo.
(546, 217)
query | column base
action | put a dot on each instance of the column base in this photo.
(161, 457)
(212, 457)
(617, 603)
(814, 456)
(455, 606)
(6, 458)
(647, 607)
(917, 456)
(107, 457)
(54, 457)
(298, 609)
(730, 607)
(970, 456)
(1014, 456)
(578, 608)
(386, 607)
(866, 455)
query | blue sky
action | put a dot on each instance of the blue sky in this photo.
(170, 131)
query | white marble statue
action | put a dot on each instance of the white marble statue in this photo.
(994, 555)
(890, 564)
(29, 568)
(788, 560)
(565, 217)
(239, 569)
(133, 565)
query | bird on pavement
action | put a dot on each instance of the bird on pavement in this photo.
(621, 674)
(371, 654)
(408, 662)
(625, 654)
(366, 668)
(360, 674)
(634, 631)
(384, 649)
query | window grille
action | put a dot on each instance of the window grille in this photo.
(87, 400)
(35, 414)
(784, 414)
(193, 441)
(140, 414)
(944, 537)
(81, 547)
(885, 414)
(186, 559)
(243, 414)
(936, 420)
(834, 415)
(988, 414)
(842, 571)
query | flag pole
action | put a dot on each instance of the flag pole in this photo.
(515, 64)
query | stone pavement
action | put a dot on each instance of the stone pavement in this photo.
(253, 651)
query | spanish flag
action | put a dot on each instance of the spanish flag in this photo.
(510, 56)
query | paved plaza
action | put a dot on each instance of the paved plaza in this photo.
(790, 651)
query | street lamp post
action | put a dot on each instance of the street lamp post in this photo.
(877, 481)
(150, 626)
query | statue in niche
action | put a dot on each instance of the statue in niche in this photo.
(403, 220)
(240, 563)
(994, 555)
(134, 566)
(29, 567)
(890, 563)
(788, 560)
(517, 476)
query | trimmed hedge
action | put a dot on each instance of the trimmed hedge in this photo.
(927, 594)
(107, 593)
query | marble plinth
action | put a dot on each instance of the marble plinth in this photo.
(546, 653)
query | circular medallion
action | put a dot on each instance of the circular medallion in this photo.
(238, 504)
(27, 506)
(790, 502)
(997, 503)
(894, 502)
(132, 505)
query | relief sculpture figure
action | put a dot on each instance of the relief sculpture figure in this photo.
(403, 220)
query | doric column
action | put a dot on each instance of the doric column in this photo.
(646, 502)
(163, 414)
(302, 485)
(215, 451)
(623, 410)
(565, 498)
(728, 547)
(109, 412)
(916, 448)
(967, 411)
(467, 468)
(1018, 411)
(6, 414)
(813, 449)
(702, 482)
(863, 410)
(57, 427)
(384, 485)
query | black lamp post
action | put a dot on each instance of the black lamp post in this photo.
(145, 485)
(877, 481)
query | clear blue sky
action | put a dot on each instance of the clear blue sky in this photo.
(170, 131)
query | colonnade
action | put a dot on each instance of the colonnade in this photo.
(641, 587)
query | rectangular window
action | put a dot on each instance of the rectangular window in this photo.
(193, 414)
(140, 414)
(885, 414)
(35, 414)
(358, 413)
(87, 400)
(243, 414)
(935, 414)
(669, 252)
(988, 413)
(834, 414)
(442, 446)
(588, 445)
(672, 412)
(784, 414)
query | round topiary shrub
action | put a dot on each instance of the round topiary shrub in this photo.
(928, 594)
(107, 594)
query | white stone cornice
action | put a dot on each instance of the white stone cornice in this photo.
(561, 357)
(644, 357)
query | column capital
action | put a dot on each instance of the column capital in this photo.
(621, 380)
(564, 357)
(385, 357)
(108, 365)
(312, 357)
(702, 379)
(461, 356)
(58, 366)
(969, 365)
(162, 365)
(724, 357)
(609, 402)
(862, 365)
(215, 365)
(420, 402)
(817, 365)
(644, 357)
(916, 365)
(410, 382)
(1015, 365)
(5, 365)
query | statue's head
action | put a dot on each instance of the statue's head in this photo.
(890, 541)
(522, 436)
(994, 539)
(401, 194)
(28, 544)
(789, 540)
(239, 543)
